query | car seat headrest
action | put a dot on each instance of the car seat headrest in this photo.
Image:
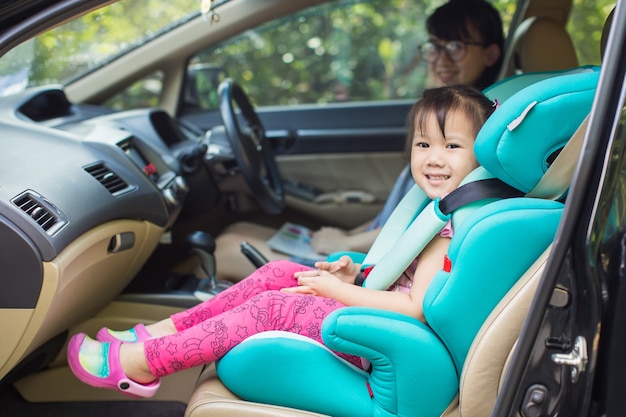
(541, 44)
(524, 135)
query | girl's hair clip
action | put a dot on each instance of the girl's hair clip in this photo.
(495, 104)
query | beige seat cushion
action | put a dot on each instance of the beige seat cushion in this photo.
(212, 398)
(488, 357)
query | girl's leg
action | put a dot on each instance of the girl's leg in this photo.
(271, 276)
(251, 309)
(211, 338)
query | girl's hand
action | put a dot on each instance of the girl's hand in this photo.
(316, 282)
(344, 268)
(327, 279)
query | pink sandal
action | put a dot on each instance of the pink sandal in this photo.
(111, 374)
(139, 331)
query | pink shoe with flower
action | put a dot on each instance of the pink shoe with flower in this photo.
(98, 364)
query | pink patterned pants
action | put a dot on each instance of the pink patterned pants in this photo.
(207, 332)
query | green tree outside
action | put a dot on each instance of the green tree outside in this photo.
(343, 50)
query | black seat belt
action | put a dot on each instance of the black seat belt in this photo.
(477, 190)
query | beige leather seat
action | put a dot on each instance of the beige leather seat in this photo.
(540, 44)
(212, 398)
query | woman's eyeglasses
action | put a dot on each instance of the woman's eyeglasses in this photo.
(455, 50)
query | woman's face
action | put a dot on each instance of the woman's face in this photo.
(467, 70)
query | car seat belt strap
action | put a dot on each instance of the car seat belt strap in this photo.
(477, 190)
(429, 221)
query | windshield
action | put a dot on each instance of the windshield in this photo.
(80, 45)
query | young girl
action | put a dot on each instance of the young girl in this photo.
(283, 295)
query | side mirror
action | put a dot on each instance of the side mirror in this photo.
(201, 85)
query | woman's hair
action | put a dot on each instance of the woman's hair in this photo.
(452, 21)
(441, 100)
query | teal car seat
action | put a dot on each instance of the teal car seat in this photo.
(500, 91)
(416, 367)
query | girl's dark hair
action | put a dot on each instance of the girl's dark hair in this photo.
(452, 21)
(441, 100)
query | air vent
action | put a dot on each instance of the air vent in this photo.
(108, 178)
(41, 211)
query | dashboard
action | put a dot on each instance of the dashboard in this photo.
(85, 196)
(49, 168)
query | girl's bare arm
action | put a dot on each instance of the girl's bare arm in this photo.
(323, 283)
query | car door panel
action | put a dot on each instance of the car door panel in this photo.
(350, 189)
(338, 161)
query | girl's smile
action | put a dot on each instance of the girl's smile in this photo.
(441, 160)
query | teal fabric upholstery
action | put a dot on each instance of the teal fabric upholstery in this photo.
(416, 367)
(357, 257)
(400, 382)
(298, 383)
(489, 252)
(504, 89)
(536, 122)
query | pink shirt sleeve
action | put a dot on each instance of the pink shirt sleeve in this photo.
(447, 230)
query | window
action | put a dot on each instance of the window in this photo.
(342, 51)
(585, 27)
(145, 92)
(90, 41)
(346, 50)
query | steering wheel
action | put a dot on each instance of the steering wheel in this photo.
(251, 148)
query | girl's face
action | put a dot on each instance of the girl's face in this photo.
(439, 164)
(446, 71)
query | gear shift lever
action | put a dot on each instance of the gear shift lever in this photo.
(203, 245)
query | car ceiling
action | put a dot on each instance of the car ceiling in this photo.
(13, 12)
